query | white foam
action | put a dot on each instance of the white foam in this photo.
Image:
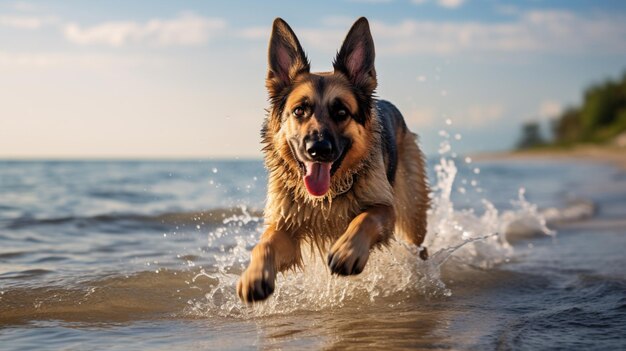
(392, 273)
(576, 210)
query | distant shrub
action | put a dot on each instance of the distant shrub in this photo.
(531, 136)
(600, 118)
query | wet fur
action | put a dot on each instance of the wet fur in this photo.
(382, 162)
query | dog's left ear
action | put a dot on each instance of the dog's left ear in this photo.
(355, 59)
(286, 59)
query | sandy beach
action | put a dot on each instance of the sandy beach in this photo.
(613, 155)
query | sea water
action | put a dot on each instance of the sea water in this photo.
(146, 254)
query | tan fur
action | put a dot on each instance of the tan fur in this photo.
(362, 209)
(264, 262)
(301, 91)
(411, 191)
(290, 207)
(361, 146)
(371, 227)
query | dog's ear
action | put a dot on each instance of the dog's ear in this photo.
(286, 58)
(355, 59)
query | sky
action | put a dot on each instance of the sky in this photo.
(170, 79)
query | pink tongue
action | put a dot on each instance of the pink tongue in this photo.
(317, 178)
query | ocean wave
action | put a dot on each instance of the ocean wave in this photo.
(210, 217)
(27, 273)
(395, 273)
(456, 238)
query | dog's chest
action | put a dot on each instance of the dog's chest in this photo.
(329, 220)
(319, 220)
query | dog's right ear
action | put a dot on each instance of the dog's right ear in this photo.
(286, 59)
(355, 59)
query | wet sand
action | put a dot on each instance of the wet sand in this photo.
(612, 155)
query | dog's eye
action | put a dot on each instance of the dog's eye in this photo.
(341, 114)
(298, 111)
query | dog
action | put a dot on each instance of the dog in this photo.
(343, 167)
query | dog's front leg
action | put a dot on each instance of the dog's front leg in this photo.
(350, 252)
(276, 251)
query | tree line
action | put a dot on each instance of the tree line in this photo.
(599, 119)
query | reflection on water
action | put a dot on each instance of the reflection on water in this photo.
(137, 255)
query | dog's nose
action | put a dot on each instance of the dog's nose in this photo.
(320, 149)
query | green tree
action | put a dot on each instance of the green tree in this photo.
(600, 118)
(531, 136)
(567, 128)
(600, 107)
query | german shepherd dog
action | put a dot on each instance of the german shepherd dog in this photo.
(343, 167)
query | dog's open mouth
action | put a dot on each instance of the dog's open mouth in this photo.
(317, 177)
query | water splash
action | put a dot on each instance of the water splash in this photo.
(395, 273)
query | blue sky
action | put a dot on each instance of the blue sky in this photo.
(186, 79)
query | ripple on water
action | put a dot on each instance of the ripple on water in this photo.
(25, 274)
(395, 279)
(13, 254)
(588, 313)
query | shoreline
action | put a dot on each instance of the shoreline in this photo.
(612, 155)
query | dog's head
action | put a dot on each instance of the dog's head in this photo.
(320, 123)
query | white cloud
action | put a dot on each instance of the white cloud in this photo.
(25, 6)
(478, 115)
(535, 31)
(546, 31)
(12, 61)
(371, 1)
(255, 33)
(26, 22)
(550, 109)
(451, 4)
(186, 29)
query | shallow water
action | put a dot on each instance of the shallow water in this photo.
(146, 254)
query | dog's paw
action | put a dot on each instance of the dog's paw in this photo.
(348, 256)
(423, 253)
(256, 283)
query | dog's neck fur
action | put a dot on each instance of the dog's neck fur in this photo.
(290, 207)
